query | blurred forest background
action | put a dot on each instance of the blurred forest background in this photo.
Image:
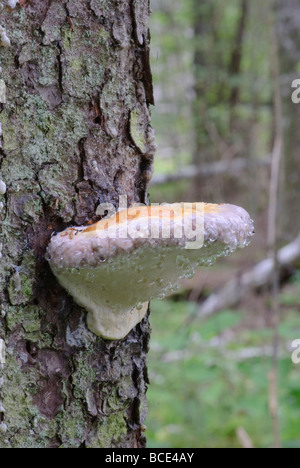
(220, 361)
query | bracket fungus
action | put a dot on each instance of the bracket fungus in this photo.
(115, 266)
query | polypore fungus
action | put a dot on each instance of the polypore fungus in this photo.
(114, 267)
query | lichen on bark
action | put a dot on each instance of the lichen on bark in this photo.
(75, 73)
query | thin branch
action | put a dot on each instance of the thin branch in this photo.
(254, 278)
(244, 438)
(273, 231)
(233, 168)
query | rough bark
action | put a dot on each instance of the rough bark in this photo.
(76, 133)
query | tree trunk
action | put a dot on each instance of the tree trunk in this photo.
(236, 59)
(203, 27)
(76, 133)
(289, 56)
(204, 35)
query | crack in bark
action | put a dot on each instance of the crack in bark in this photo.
(82, 161)
(46, 12)
(2, 156)
(60, 68)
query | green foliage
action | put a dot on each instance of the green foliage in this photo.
(192, 51)
(210, 378)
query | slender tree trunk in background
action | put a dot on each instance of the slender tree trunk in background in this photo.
(216, 75)
(76, 133)
(288, 14)
(203, 31)
(236, 59)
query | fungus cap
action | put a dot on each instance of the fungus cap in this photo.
(114, 267)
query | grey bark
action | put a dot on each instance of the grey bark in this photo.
(76, 132)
